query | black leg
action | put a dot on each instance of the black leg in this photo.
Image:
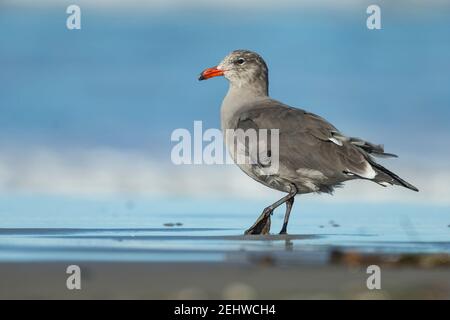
(289, 205)
(262, 224)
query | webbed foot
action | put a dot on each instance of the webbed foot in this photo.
(262, 225)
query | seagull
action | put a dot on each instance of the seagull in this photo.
(313, 156)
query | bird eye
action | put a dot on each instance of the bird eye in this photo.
(240, 61)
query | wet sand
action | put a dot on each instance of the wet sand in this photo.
(218, 281)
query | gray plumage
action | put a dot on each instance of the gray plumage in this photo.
(313, 155)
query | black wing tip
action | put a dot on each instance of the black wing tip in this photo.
(395, 178)
(407, 185)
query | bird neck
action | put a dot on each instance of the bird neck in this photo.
(255, 84)
(237, 97)
(241, 92)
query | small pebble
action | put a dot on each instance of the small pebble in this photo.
(239, 291)
(169, 224)
(172, 224)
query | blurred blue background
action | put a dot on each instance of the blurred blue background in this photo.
(86, 115)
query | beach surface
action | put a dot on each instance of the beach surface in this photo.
(323, 260)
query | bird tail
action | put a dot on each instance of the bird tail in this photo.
(385, 176)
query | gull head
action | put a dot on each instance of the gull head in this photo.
(242, 68)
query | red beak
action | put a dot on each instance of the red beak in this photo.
(210, 73)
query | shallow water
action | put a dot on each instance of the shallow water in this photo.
(113, 230)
